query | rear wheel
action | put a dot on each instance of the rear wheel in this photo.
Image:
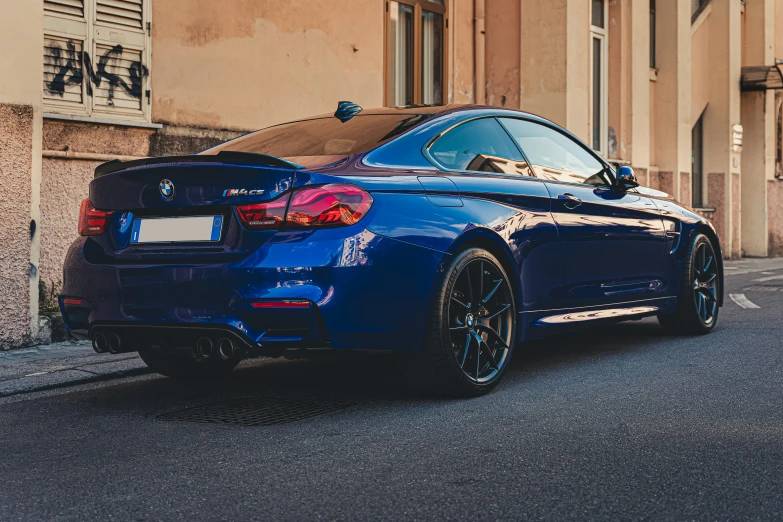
(183, 366)
(472, 328)
(697, 302)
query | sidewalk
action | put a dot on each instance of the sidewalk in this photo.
(62, 364)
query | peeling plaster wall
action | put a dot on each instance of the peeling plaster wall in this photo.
(16, 164)
(238, 64)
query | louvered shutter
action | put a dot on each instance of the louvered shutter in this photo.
(65, 7)
(65, 34)
(124, 13)
(96, 58)
(121, 82)
(120, 59)
(63, 77)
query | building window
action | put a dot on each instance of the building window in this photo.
(697, 163)
(415, 52)
(96, 58)
(652, 34)
(598, 77)
(697, 6)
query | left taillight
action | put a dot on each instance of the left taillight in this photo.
(92, 222)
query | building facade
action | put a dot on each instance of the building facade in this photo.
(684, 91)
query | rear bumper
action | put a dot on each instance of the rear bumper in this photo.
(365, 292)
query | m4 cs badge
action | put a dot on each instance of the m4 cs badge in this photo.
(242, 192)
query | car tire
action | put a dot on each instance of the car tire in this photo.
(182, 366)
(470, 338)
(698, 296)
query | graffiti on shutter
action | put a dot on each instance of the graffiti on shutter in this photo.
(116, 78)
(62, 69)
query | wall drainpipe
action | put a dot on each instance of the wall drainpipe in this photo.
(478, 49)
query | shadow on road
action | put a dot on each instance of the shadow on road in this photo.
(364, 377)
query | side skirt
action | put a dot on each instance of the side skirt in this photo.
(536, 324)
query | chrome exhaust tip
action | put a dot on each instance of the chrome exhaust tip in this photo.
(225, 348)
(99, 343)
(204, 347)
(114, 343)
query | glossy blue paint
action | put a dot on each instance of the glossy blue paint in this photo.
(576, 253)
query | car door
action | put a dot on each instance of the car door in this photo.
(500, 193)
(612, 239)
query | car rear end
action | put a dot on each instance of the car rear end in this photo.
(232, 252)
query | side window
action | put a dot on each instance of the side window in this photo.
(480, 146)
(555, 156)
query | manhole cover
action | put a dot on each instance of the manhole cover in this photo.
(256, 411)
(764, 288)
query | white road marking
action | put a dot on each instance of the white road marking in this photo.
(35, 374)
(770, 278)
(742, 301)
(767, 273)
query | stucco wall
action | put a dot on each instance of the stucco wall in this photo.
(238, 64)
(16, 165)
(502, 26)
(64, 184)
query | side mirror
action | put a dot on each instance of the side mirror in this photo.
(626, 179)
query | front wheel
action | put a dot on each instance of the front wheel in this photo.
(472, 328)
(697, 302)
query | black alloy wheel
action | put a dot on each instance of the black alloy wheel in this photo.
(480, 320)
(705, 283)
(470, 338)
(698, 300)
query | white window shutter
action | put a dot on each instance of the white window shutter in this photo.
(65, 34)
(65, 7)
(123, 13)
(119, 61)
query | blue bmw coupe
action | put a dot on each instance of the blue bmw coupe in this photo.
(451, 234)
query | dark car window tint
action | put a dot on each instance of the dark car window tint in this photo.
(322, 136)
(554, 155)
(480, 146)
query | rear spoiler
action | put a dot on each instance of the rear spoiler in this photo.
(226, 156)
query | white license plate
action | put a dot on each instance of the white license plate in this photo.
(176, 230)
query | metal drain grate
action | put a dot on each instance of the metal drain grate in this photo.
(256, 411)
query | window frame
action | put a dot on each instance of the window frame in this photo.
(425, 150)
(93, 33)
(418, 6)
(602, 34)
(607, 166)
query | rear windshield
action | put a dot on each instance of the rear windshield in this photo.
(330, 137)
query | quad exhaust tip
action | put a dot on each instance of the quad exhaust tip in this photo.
(204, 347)
(99, 343)
(114, 343)
(226, 348)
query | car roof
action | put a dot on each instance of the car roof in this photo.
(432, 110)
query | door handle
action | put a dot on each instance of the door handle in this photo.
(569, 200)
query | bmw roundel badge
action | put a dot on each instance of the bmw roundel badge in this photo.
(166, 188)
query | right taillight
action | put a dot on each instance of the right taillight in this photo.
(336, 204)
(92, 222)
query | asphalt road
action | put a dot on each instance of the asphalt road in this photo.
(622, 422)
